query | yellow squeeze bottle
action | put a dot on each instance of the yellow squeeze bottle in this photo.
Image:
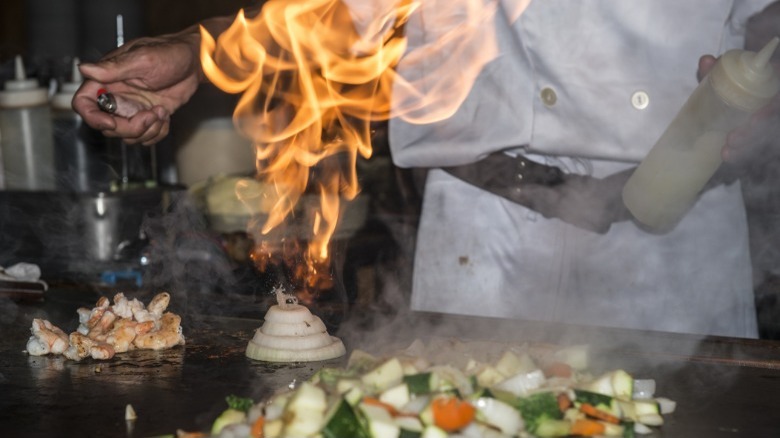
(668, 181)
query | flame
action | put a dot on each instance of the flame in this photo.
(315, 74)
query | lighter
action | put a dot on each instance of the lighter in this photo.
(106, 101)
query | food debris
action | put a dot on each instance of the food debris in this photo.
(130, 414)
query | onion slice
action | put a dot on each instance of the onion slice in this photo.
(291, 333)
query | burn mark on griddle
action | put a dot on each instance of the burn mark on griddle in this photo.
(463, 260)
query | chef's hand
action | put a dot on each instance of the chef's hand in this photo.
(584, 201)
(150, 78)
(746, 142)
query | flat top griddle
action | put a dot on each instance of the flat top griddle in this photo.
(724, 387)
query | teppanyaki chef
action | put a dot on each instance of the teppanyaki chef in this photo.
(577, 93)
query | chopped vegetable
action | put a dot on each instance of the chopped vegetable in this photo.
(537, 408)
(452, 414)
(242, 404)
(587, 428)
(558, 369)
(591, 411)
(228, 417)
(411, 397)
(257, 428)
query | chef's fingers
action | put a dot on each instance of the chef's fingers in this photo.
(156, 131)
(746, 142)
(132, 129)
(706, 63)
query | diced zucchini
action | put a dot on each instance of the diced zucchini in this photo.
(550, 428)
(305, 411)
(273, 427)
(343, 422)
(354, 395)
(304, 423)
(420, 383)
(397, 396)
(646, 407)
(611, 429)
(308, 397)
(226, 418)
(345, 385)
(650, 419)
(426, 415)
(489, 376)
(538, 408)
(380, 423)
(409, 434)
(388, 374)
(409, 425)
(616, 383)
(599, 401)
(433, 432)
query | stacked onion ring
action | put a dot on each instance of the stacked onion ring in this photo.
(291, 333)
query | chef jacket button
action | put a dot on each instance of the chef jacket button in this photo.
(640, 100)
(548, 96)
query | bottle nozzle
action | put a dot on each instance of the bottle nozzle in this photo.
(19, 64)
(762, 58)
(76, 76)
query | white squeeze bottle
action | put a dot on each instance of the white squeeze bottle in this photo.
(25, 133)
(668, 181)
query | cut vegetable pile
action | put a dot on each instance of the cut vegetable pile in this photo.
(406, 396)
(291, 333)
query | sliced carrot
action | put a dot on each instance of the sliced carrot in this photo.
(592, 411)
(451, 413)
(587, 428)
(257, 428)
(564, 402)
(558, 369)
(376, 402)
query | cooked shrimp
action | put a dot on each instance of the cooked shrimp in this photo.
(101, 328)
(125, 331)
(169, 334)
(159, 303)
(121, 307)
(46, 338)
(81, 346)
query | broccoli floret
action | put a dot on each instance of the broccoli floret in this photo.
(537, 407)
(242, 404)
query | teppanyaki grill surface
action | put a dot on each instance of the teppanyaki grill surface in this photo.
(724, 387)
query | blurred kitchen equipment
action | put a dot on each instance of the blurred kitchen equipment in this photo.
(214, 148)
(26, 134)
(686, 156)
(71, 234)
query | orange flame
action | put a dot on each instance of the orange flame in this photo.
(314, 75)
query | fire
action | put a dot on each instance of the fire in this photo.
(314, 75)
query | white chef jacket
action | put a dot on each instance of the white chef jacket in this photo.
(588, 86)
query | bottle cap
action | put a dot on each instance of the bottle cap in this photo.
(20, 91)
(62, 100)
(747, 79)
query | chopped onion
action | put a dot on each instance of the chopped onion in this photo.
(291, 333)
(643, 389)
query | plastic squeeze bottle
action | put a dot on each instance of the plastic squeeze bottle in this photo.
(26, 134)
(668, 181)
